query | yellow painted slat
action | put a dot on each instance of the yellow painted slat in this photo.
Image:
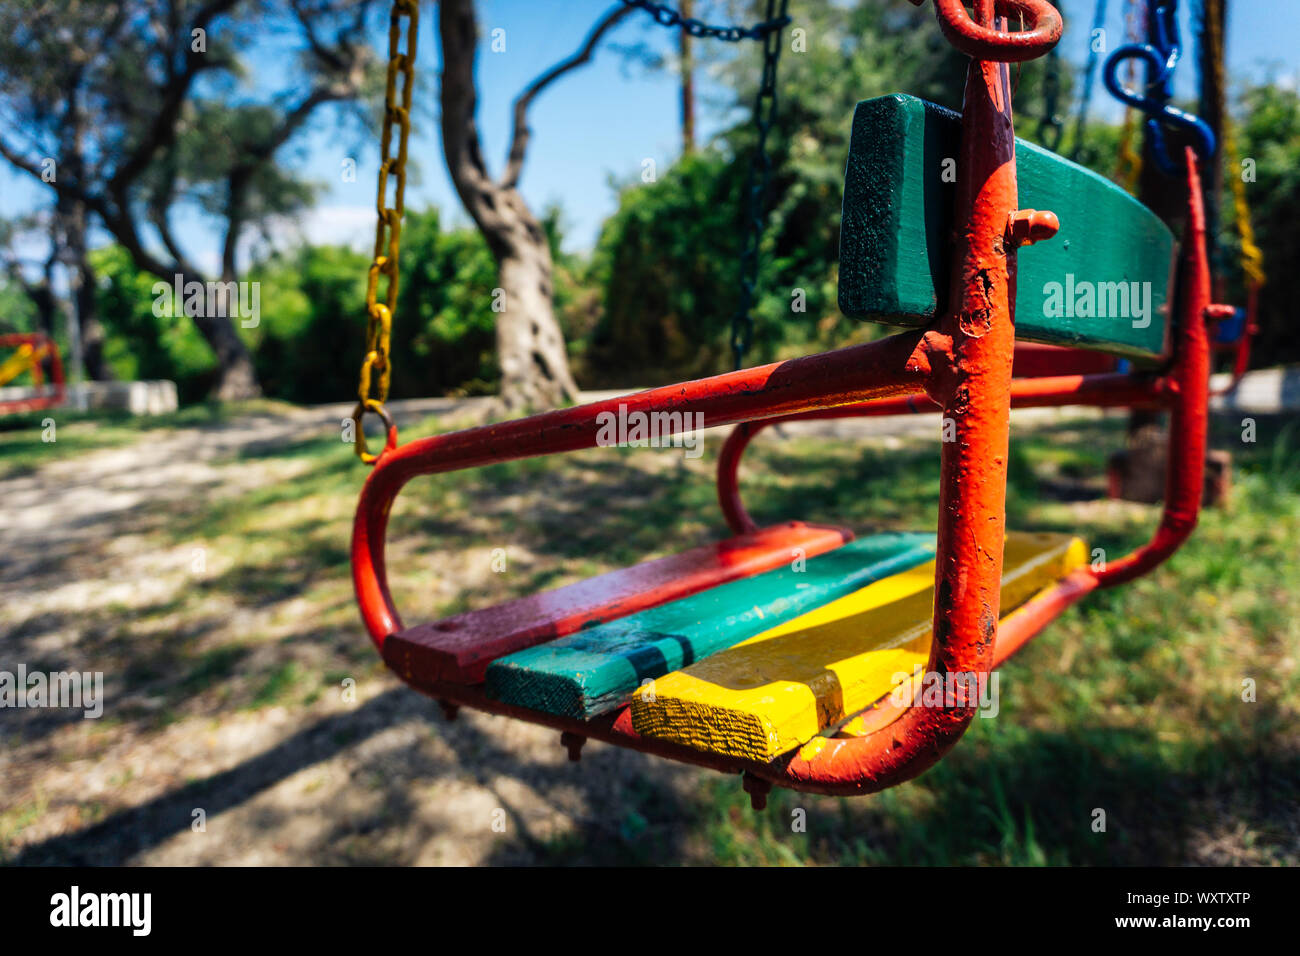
(780, 688)
(24, 357)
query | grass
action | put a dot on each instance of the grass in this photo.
(1128, 710)
(27, 441)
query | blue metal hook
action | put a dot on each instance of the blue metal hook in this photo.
(1161, 58)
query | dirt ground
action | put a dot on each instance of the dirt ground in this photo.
(381, 778)
(202, 755)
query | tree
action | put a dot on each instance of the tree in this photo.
(530, 345)
(40, 298)
(1269, 144)
(668, 258)
(161, 137)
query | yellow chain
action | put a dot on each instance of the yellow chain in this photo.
(388, 228)
(1128, 164)
(1252, 258)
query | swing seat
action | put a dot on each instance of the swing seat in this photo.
(777, 653)
(746, 649)
(458, 649)
(596, 670)
(802, 679)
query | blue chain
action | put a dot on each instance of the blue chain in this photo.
(1160, 54)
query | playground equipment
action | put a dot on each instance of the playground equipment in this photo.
(31, 350)
(1233, 336)
(775, 653)
(1160, 52)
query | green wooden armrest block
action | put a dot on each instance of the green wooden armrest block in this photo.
(1103, 282)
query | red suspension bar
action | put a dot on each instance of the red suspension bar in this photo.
(976, 394)
(1112, 390)
(899, 364)
(1189, 413)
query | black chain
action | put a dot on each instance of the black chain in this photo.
(668, 17)
(768, 31)
(1089, 76)
(1051, 126)
(756, 184)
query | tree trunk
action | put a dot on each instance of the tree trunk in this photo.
(236, 379)
(72, 213)
(687, 67)
(530, 347)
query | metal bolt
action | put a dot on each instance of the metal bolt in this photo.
(574, 744)
(1027, 226)
(758, 789)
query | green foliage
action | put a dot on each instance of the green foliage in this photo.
(306, 348)
(655, 299)
(143, 341)
(1270, 138)
(16, 311)
(667, 259)
(444, 331)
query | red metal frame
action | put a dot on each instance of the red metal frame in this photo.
(962, 366)
(1241, 348)
(898, 365)
(39, 341)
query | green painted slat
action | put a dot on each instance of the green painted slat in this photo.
(595, 670)
(897, 224)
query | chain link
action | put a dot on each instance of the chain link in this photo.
(668, 17)
(1098, 32)
(1252, 258)
(1051, 125)
(376, 365)
(767, 31)
(1128, 161)
(756, 185)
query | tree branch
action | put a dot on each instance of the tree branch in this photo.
(521, 134)
(162, 131)
(461, 145)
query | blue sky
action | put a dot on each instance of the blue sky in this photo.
(607, 118)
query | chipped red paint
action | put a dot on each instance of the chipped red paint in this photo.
(37, 340)
(981, 40)
(902, 747)
(976, 394)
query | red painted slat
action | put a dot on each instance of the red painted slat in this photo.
(459, 648)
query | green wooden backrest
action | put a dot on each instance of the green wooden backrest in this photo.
(1103, 282)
